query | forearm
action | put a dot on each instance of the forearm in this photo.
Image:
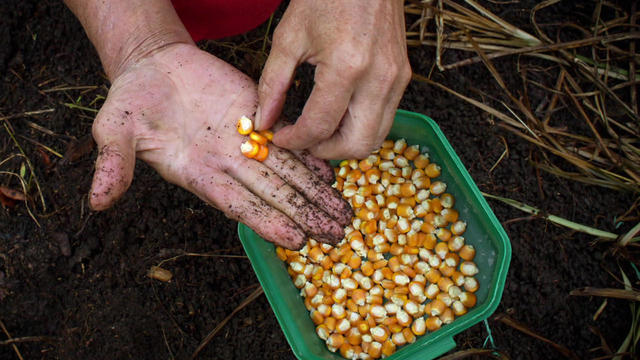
(125, 31)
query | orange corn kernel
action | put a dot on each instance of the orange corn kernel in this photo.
(263, 152)
(411, 152)
(257, 137)
(433, 323)
(250, 148)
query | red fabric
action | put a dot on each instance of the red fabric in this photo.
(215, 19)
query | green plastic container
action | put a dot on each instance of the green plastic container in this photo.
(484, 232)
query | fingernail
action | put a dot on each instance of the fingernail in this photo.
(257, 121)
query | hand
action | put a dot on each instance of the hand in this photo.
(362, 69)
(177, 110)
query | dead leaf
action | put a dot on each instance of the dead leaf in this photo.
(12, 194)
(7, 202)
(79, 148)
(159, 273)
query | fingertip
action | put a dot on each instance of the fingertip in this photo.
(112, 178)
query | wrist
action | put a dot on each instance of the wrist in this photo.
(126, 31)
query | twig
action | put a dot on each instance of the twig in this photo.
(28, 339)
(14, 346)
(554, 219)
(607, 292)
(259, 291)
(27, 113)
(507, 320)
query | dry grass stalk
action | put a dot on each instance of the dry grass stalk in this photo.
(592, 89)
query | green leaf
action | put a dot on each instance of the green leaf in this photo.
(23, 171)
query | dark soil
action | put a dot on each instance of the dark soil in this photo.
(80, 277)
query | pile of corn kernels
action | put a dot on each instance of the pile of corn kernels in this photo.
(403, 268)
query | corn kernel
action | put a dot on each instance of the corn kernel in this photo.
(245, 125)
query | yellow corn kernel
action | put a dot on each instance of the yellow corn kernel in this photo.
(245, 125)
(367, 268)
(310, 289)
(257, 137)
(280, 252)
(446, 270)
(445, 297)
(335, 341)
(450, 215)
(405, 211)
(379, 333)
(437, 188)
(398, 339)
(401, 279)
(380, 264)
(369, 227)
(400, 161)
(443, 234)
(433, 323)
(342, 326)
(250, 148)
(447, 316)
(317, 317)
(388, 348)
(433, 275)
(447, 200)
(323, 332)
(316, 255)
(468, 299)
(458, 227)
(411, 152)
(456, 243)
(362, 326)
(458, 278)
(445, 283)
(347, 351)
(421, 161)
(432, 170)
(418, 327)
(467, 252)
(374, 350)
(352, 306)
(468, 268)
(399, 146)
(471, 284)
(458, 308)
(354, 175)
(442, 249)
(408, 335)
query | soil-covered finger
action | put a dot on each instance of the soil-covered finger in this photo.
(112, 177)
(278, 193)
(289, 168)
(240, 204)
(320, 167)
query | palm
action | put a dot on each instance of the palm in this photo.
(177, 111)
(182, 108)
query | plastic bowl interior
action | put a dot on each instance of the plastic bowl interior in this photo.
(484, 232)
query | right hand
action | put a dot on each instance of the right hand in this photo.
(177, 110)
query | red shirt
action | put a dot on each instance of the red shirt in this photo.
(214, 19)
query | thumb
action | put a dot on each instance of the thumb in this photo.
(116, 158)
(276, 79)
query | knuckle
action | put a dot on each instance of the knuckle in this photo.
(405, 73)
(321, 130)
(354, 62)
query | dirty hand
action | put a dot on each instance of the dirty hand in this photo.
(361, 72)
(177, 110)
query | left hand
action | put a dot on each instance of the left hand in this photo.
(362, 69)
